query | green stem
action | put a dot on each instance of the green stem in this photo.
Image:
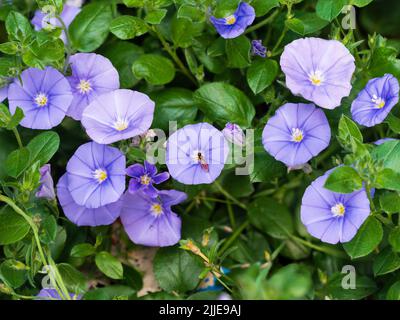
(231, 215)
(371, 201)
(234, 236)
(35, 231)
(332, 252)
(18, 137)
(68, 42)
(282, 36)
(174, 56)
(229, 196)
(263, 22)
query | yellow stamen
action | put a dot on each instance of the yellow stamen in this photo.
(316, 78)
(121, 125)
(338, 210)
(379, 102)
(84, 86)
(41, 100)
(156, 209)
(100, 175)
(230, 20)
(297, 135)
(145, 179)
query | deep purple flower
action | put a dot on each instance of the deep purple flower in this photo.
(330, 216)
(81, 215)
(96, 175)
(92, 76)
(375, 101)
(296, 133)
(143, 178)
(47, 20)
(234, 134)
(43, 95)
(118, 115)
(150, 221)
(3, 93)
(383, 140)
(196, 154)
(46, 188)
(235, 24)
(52, 294)
(257, 48)
(318, 70)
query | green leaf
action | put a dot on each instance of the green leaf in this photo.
(74, 280)
(348, 134)
(90, 27)
(387, 261)
(192, 13)
(42, 55)
(155, 69)
(83, 250)
(360, 3)
(15, 119)
(175, 103)
(177, 270)
(109, 265)
(48, 229)
(43, 147)
(122, 55)
(128, 27)
(17, 161)
(222, 102)
(18, 27)
(366, 240)
(13, 227)
(390, 202)
(364, 287)
(110, 292)
(261, 74)
(271, 217)
(134, 3)
(389, 154)
(388, 179)
(184, 31)
(132, 278)
(344, 179)
(330, 9)
(155, 16)
(262, 7)
(394, 239)
(13, 273)
(10, 48)
(306, 23)
(393, 122)
(238, 52)
(394, 292)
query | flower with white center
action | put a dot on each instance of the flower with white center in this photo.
(338, 210)
(297, 135)
(100, 175)
(41, 100)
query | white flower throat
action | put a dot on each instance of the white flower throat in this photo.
(378, 101)
(41, 100)
(230, 20)
(100, 175)
(338, 210)
(121, 124)
(156, 209)
(84, 86)
(316, 78)
(297, 135)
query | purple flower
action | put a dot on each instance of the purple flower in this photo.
(333, 217)
(92, 76)
(235, 24)
(383, 140)
(47, 20)
(296, 133)
(234, 134)
(150, 221)
(118, 115)
(318, 70)
(43, 95)
(96, 175)
(52, 294)
(143, 178)
(46, 188)
(257, 49)
(196, 154)
(82, 216)
(3, 93)
(375, 101)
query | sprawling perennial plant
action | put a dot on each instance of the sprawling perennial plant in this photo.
(258, 136)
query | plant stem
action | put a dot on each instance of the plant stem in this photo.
(34, 228)
(282, 36)
(231, 215)
(263, 22)
(233, 237)
(68, 42)
(229, 196)
(371, 201)
(332, 252)
(174, 56)
(18, 137)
